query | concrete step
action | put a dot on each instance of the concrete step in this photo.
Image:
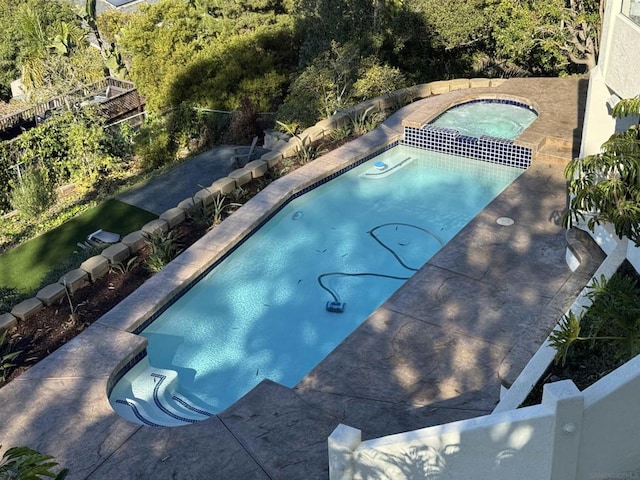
(149, 397)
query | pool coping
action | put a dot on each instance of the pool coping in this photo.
(83, 367)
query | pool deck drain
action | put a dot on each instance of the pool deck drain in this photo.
(435, 352)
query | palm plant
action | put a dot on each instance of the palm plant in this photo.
(23, 463)
(605, 187)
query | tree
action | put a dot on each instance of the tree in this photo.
(159, 42)
(182, 54)
(44, 39)
(468, 27)
(547, 36)
(605, 187)
(365, 24)
(56, 57)
(15, 43)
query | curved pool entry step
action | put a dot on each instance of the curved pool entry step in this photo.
(153, 401)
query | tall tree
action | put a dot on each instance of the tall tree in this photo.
(547, 36)
(16, 42)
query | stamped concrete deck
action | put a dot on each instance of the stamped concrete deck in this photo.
(434, 352)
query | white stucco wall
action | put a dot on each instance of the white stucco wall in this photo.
(622, 65)
(598, 123)
(618, 72)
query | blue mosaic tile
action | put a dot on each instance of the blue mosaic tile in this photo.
(488, 149)
(123, 371)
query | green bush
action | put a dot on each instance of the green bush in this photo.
(33, 193)
(154, 147)
(164, 248)
(612, 320)
(6, 160)
(23, 463)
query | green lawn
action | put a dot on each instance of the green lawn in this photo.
(24, 267)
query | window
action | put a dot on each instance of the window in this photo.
(631, 8)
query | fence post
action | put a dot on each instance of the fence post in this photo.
(567, 402)
(342, 443)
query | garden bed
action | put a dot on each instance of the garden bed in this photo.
(588, 361)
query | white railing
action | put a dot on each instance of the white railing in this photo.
(594, 434)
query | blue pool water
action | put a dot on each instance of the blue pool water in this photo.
(487, 117)
(261, 313)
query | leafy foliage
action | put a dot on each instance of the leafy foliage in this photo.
(375, 80)
(6, 358)
(365, 121)
(164, 247)
(528, 34)
(17, 42)
(605, 187)
(613, 317)
(124, 267)
(33, 193)
(23, 463)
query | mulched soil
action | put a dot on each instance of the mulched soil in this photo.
(54, 326)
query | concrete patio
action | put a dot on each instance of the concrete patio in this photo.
(435, 352)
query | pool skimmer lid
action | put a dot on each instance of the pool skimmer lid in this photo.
(505, 221)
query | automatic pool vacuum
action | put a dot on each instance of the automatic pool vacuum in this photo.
(335, 306)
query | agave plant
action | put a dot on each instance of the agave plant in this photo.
(6, 356)
(164, 248)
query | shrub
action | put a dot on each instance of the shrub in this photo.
(164, 248)
(365, 121)
(244, 125)
(33, 193)
(23, 463)
(208, 216)
(613, 317)
(154, 145)
(6, 176)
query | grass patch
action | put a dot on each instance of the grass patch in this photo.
(24, 267)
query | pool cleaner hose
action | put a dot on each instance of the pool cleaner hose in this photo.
(336, 305)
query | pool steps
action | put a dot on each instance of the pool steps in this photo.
(155, 402)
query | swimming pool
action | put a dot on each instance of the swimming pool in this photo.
(305, 280)
(489, 117)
